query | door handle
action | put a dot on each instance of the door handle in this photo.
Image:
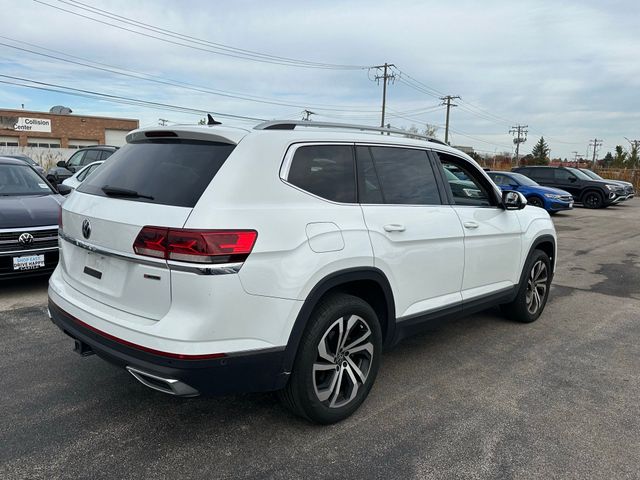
(394, 227)
(470, 225)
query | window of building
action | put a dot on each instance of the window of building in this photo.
(43, 142)
(8, 141)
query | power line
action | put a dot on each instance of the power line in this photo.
(446, 100)
(166, 81)
(385, 77)
(117, 98)
(519, 130)
(595, 143)
(192, 42)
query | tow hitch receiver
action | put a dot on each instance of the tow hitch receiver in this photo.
(82, 348)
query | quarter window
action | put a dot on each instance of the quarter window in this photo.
(326, 171)
(394, 175)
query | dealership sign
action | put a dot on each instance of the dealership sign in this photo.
(25, 124)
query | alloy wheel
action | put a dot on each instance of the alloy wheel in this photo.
(592, 200)
(343, 361)
(536, 287)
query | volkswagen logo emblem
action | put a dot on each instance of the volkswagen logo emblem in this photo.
(86, 228)
(25, 239)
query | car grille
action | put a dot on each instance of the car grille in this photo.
(10, 241)
(566, 198)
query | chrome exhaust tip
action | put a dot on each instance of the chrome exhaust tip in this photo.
(170, 386)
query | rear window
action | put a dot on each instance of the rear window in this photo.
(167, 172)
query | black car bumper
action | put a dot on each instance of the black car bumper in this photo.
(6, 264)
(234, 373)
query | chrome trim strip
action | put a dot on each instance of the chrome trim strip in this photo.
(197, 268)
(173, 386)
(110, 253)
(28, 251)
(28, 229)
(205, 269)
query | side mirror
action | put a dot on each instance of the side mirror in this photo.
(513, 200)
(572, 179)
(64, 189)
(62, 164)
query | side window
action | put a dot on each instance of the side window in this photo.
(542, 174)
(562, 175)
(76, 159)
(475, 191)
(326, 171)
(92, 156)
(500, 179)
(105, 154)
(401, 176)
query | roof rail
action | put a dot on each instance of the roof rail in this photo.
(292, 124)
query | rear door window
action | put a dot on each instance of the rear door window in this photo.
(395, 175)
(544, 174)
(168, 172)
(327, 171)
(91, 156)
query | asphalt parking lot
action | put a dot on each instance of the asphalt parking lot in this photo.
(479, 397)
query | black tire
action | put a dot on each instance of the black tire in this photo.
(520, 309)
(535, 202)
(311, 370)
(593, 199)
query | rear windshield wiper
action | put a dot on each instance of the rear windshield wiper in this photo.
(123, 192)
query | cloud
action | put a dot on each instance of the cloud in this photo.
(564, 69)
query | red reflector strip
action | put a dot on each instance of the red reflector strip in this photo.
(179, 356)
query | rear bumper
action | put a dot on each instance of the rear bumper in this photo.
(251, 371)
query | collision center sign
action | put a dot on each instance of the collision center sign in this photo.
(25, 124)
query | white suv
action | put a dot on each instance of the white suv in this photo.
(207, 259)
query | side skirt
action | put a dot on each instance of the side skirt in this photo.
(415, 324)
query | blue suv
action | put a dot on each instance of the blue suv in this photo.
(553, 200)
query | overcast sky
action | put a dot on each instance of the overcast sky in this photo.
(568, 70)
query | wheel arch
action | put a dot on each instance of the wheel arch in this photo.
(546, 243)
(368, 283)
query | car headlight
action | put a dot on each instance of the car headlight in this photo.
(471, 192)
(553, 195)
(611, 187)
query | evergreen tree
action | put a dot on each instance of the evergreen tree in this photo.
(632, 160)
(620, 157)
(607, 161)
(540, 153)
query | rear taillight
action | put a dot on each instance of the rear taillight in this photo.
(197, 246)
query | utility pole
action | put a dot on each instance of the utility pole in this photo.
(575, 158)
(519, 130)
(162, 122)
(446, 100)
(634, 143)
(385, 77)
(306, 114)
(595, 143)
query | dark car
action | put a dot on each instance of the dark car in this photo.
(84, 156)
(553, 200)
(28, 160)
(29, 209)
(629, 189)
(587, 191)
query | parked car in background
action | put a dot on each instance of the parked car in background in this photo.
(79, 177)
(208, 259)
(553, 200)
(585, 190)
(29, 211)
(629, 189)
(28, 160)
(81, 158)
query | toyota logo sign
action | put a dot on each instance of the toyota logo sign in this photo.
(86, 228)
(25, 239)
